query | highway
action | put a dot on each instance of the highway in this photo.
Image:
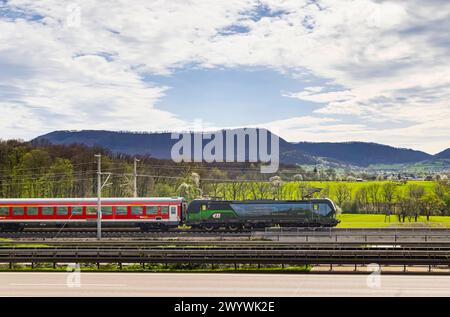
(219, 285)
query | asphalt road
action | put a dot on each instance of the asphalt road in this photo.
(178, 284)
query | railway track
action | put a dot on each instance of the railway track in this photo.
(286, 234)
(118, 234)
(225, 252)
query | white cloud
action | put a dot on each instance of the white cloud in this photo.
(385, 62)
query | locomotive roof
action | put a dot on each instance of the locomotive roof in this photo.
(259, 201)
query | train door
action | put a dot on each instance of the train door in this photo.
(173, 213)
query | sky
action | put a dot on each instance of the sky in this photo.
(321, 71)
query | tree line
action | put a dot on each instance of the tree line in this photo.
(29, 170)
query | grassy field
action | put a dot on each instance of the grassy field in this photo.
(291, 189)
(355, 186)
(380, 221)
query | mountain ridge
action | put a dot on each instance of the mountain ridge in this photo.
(159, 144)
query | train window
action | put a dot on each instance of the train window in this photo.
(152, 210)
(91, 210)
(107, 210)
(77, 211)
(18, 211)
(173, 210)
(62, 211)
(121, 210)
(4, 211)
(47, 211)
(32, 211)
(137, 210)
(165, 210)
(203, 207)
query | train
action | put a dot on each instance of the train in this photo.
(165, 213)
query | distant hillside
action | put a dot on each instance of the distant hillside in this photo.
(159, 146)
(362, 153)
(443, 155)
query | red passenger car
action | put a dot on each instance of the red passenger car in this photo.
(146, 213)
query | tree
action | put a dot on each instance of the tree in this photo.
(217, 175)
(373, 193)
(190, 187)
(387, 195)
(403, 207)
(59, 179)
(262, 189)
(303, 190)
(234, 189)
(431, 205)
(276, 184)
(343, 194)
(362, 200)
(415, 193)
(331, 174)
(164, 190)
(27, 176)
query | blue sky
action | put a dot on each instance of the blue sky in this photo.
(365, 70)
(217, 95)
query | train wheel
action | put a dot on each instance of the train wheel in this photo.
(209, 228)
(234, 227)
(163, 228)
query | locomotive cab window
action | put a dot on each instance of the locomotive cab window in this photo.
(18, 211)
(47, 211)
(203, 207)
(4, 211)
(32, 211)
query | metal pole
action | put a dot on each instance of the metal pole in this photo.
(135, 177)
(99, 196)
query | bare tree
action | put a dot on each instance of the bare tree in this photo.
(362, 200)
(373, 191)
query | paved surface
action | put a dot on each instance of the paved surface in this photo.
(168, 284)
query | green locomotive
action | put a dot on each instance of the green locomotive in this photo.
(211, 215)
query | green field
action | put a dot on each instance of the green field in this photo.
(355, 186)
(380, 221)
(290, 190)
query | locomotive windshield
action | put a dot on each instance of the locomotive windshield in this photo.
(279, 209)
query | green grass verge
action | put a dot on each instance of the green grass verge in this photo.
(380, 221)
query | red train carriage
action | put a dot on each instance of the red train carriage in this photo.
(146, 213)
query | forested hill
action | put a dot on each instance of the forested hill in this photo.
(363, 153)
(443, 155)
(158, 145)
(48, 170)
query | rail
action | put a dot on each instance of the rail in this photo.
(226, 253)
